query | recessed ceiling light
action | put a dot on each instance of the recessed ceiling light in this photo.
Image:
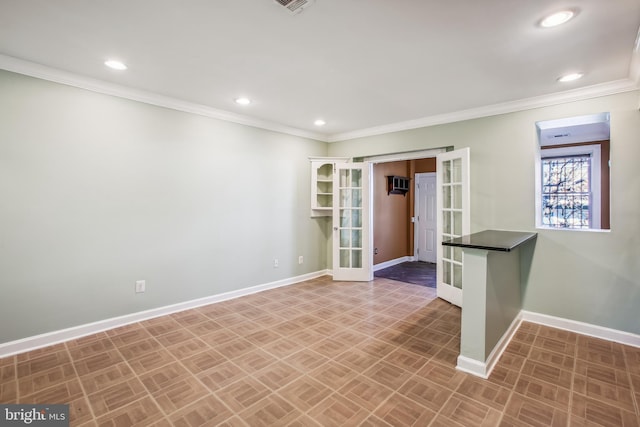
(570, 77)
(319, 122)
(116, 65)
(243, 101)
(557, 18)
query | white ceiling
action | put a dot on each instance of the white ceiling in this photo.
(358, 64)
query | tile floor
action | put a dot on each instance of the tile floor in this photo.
(323, 353)
(416, 272)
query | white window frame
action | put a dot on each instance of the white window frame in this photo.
(595, 180)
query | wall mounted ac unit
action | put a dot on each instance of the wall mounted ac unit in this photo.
(295, 6)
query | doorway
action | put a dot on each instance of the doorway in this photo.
(398, 226)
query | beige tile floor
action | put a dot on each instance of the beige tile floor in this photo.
(323, 353)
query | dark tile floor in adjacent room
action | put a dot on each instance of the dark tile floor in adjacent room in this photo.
(416, 272)
(324, 353)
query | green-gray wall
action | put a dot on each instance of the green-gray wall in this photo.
(98, 192)
(592, 277)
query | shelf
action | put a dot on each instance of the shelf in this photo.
(322, 188)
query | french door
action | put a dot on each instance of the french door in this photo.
(452, 183)
(352, 256)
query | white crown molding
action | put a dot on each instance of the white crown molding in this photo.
(33, 69)
(634, 67)
(595, 91)
(40, 71)
(51, 338)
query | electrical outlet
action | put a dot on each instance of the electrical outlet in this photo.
(141, 286)
(275, 263)
(300, 259)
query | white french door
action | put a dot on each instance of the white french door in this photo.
(352, 256)
(453, 200)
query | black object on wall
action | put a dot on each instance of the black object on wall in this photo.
(397, 184)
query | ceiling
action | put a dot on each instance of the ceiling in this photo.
(361, 65)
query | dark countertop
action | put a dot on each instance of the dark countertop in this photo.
(493, 240)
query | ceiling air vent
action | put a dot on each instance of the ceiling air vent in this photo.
(295, 6)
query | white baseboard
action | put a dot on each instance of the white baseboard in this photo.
(464, 364)
(500, 347)
(608, 334)
(472, 366)
(483, 369)
(50, 338)
(392, 262)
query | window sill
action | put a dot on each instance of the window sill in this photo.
(583, 230)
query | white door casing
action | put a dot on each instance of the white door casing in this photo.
(352, 254)
(425, 226)
(453, 202)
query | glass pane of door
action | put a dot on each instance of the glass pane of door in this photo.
(453, 201)
(350, 239)
(350, 213)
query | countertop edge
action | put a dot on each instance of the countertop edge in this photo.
(526, 236)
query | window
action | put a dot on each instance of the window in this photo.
(570, 187)
(572, 173)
